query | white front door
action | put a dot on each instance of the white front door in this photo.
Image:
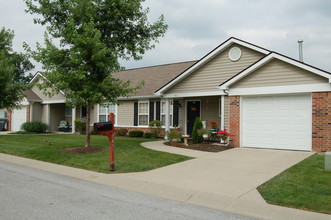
(18, 118)
(278, 122)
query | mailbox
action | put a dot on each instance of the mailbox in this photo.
(103, 126)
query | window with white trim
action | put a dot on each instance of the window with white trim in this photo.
(143, 113)
(163, 112)
(68, 111)
(104, 110)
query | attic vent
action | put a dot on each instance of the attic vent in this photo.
(235, 53)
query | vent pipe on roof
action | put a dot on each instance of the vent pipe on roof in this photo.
(300, 51)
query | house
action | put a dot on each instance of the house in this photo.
(265, 99)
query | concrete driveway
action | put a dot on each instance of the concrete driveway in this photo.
(234, 173)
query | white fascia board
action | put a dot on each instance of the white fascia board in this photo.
(303, 88)
(39, 74)
(54, 101)
(208, 57)
(194, 94)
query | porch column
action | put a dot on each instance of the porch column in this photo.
(31, 111)
(73, 118)
(48, 116)
(222, 113)
(167, 116)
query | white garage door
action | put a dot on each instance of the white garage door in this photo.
(278, 122)
(18, 118)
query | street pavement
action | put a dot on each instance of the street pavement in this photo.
(224, 181)
(28, 193)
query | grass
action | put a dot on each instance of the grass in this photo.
(307, 185)
(130, 156)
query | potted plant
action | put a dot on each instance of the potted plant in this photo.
(204, 132)
(223, 134)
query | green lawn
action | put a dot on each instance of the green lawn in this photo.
(130, 156)
(305, 186)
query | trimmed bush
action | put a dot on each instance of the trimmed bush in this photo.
(155, 127)
(136, 133)
(196, 137)
(174, 135)
(149, 135)
(121, 132)
(34, 126)
(80, 126)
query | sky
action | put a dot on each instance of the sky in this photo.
(196, 27)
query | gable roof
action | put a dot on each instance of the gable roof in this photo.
(265, 60)
(154, 77)
(31, 96)
(208, 57)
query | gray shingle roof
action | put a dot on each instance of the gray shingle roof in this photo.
(154, 77)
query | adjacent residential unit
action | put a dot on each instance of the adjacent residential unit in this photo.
(263, 98)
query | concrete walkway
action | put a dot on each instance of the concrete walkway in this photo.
(224, 181)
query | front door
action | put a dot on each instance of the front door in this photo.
(192, 112)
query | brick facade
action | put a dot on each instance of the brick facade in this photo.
(235, 121)
(321, 121)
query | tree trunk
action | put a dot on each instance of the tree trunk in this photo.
(88, 119)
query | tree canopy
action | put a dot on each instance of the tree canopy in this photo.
(13, 66)
(91, 37)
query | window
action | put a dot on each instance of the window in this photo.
(143, 113)
(163, 112)
(104, 110)
(68, 111)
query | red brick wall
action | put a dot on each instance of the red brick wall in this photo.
(235, 121)
(321, 127)
(27, 113)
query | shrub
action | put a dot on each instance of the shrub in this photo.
(174, 135)
(149, 135)
(80, 125)
(155, 127)
(196, 137)
(34, 126)
(136, 133)
(121, 132)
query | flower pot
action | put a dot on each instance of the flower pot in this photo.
(224, 138)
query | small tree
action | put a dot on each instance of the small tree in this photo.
(196, 137)
(93, 35)
(13, 66)
(155, 127)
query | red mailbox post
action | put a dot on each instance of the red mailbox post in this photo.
(107, 128)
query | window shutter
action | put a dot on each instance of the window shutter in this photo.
(151, 111)
(175, 113)
(135, 114)
(158, 111)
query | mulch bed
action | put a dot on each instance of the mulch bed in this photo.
(83, 150)
(204, 146)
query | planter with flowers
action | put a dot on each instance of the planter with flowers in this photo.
(224, 135)
(213, 130)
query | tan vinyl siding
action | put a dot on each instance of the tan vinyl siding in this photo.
(44, 97)
(94, 114)
(181, 115)
(216, 71)
(210, 110)
(57, 114)
(278, 73)
(125, 113)
(37, 112)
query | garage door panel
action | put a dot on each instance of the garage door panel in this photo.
(279, 122)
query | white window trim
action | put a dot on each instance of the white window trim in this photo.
(143, 102)
(116, 115)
